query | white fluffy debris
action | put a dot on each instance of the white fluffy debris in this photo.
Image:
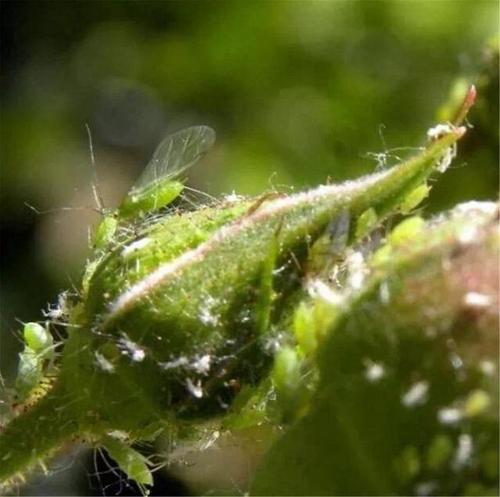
(233, 198)
(434, 134)
(135, 247)
(319, 289)
(374, 371)
(439, 131)
(207, 315)
(103, 363)
(464, 451)
(176, 363)
(136, 353)
(478, 300)
(357, 270)
(194, 389)
(450, 415)
(60, 310)
(416, 395)
(202, 365)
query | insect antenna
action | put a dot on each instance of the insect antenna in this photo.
(95, 189)
(95, 179)
(201, 193)
(59, 209)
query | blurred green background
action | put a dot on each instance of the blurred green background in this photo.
(298, 92)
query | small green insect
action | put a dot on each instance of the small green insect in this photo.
(132, 463)
(158, 185)
(38, 350)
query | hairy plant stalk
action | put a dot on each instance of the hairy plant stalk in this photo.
(33, 435)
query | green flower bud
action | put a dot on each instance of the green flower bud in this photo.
(175, 311)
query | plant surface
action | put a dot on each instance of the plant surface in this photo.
(185, 316)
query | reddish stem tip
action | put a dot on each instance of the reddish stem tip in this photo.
(470, 98)
(468, 102)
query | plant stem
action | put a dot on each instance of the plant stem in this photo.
(35, 434)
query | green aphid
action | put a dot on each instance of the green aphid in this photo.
(105, 231)
(366, 222)
(38, 350)
(37, 337)
(289, 382)
(158, 185)
(29, 374)
(132, 463)
(414, 198)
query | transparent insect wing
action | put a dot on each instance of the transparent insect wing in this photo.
(175, 154)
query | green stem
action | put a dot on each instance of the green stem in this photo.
(35, 434)
(390, 187)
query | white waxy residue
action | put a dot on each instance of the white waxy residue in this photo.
(487, 367)
(384, 293)
(434, 134)
(207, 315)
(273, 344)
(439, 130)
(202, 365)
(468, 234)
(449, 415)
(473, 207)
(456, 361)
(464, 451)
(416, 395)
(103, 363)
(176, 363)
(478, 300)
(194, 388)
(211, 440)
(60, 310)
(446, 160)
(136, 353)
(233, 198)
(135, 247)
(319, 289)
(118, 435)
(425, 488)
(374, 371)
(357, 270)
